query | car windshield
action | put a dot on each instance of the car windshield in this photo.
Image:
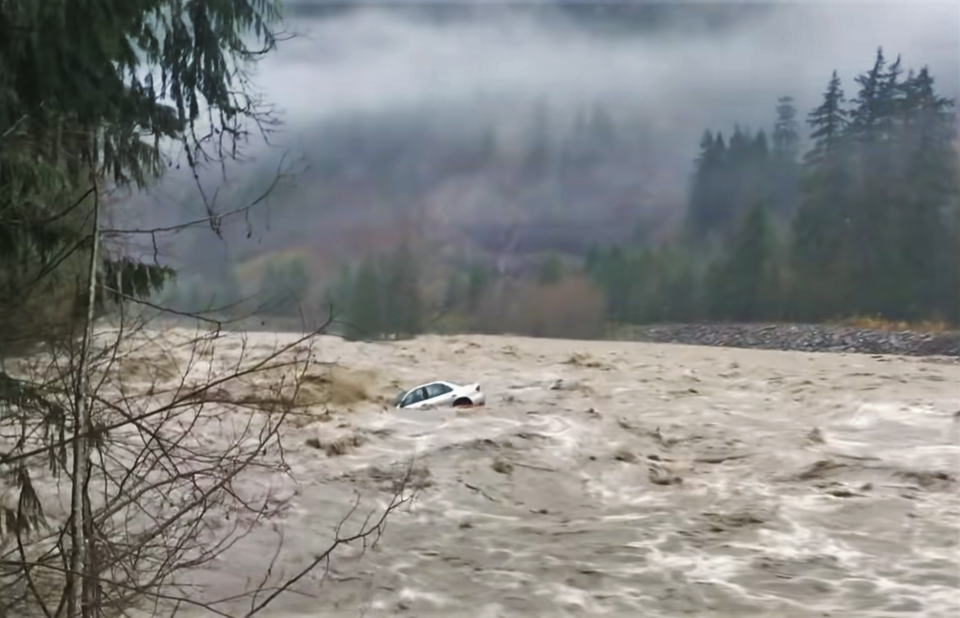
(399, 397)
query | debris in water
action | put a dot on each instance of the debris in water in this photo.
(818, 469)
(936, 480)
(661, 475)
(339, 446)
(842, 492)
(580, 359)
(502, 466)
(815, 436)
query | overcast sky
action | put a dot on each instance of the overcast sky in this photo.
(381, 58)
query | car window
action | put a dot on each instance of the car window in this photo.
(435, 390)
(414, 396)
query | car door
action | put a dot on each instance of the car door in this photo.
(414, 398)
(439, 394)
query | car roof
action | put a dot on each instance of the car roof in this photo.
(450, 384)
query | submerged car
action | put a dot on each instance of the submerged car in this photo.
(441, 394)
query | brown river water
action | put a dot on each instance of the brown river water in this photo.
(621, 479)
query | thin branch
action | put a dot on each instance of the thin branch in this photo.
(365, 532)
(211, 219)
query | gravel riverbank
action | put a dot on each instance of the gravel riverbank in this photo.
(802, 338)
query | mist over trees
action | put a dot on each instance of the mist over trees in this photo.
(847, 209)
(381, 297)
(866, 225)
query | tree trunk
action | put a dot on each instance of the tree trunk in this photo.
(77, 582)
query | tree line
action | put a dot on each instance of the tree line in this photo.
(865, 223)
(381, 297)
(854, 214)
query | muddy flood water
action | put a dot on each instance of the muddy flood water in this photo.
(618, 479)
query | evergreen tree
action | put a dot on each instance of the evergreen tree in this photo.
(705, 209)
(762, 183)
(739, 144)
(786, 132)
(401, 296)
(822, 233)
(761, 146)
(876, 269)
(283, 287)
(365, 314)
(616, 278)
(87, 109)
(679, 294)
(869, 108)
(744, 284)
(785, 168)
(877, 226)
(927, 220)
(829, 122)
(92, 97)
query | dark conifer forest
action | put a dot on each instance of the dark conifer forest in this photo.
(850, 210)
(853, 212)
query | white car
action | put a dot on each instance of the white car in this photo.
(441, 394)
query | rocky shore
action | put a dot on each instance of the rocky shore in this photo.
(803, 338)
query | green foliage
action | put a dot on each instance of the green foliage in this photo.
(126, 278)
(283, 288)
(91, 95)
(403, 313)
(87, 109)
(101, 86)
(729, 177)
(644, 285)
(478, 281)
(742, 285)
(786, 131)
(868, 224)
(876, 232)
(784, 168)
(382, 298)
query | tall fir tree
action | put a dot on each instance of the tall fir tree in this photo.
(786, 131)
(785, 168)
(877, 271)
(928, 220)
(743, 283)
(705, 209)
(829, 122)
(365, 316)
(821, 228)
(866, 115)
(403, 307)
